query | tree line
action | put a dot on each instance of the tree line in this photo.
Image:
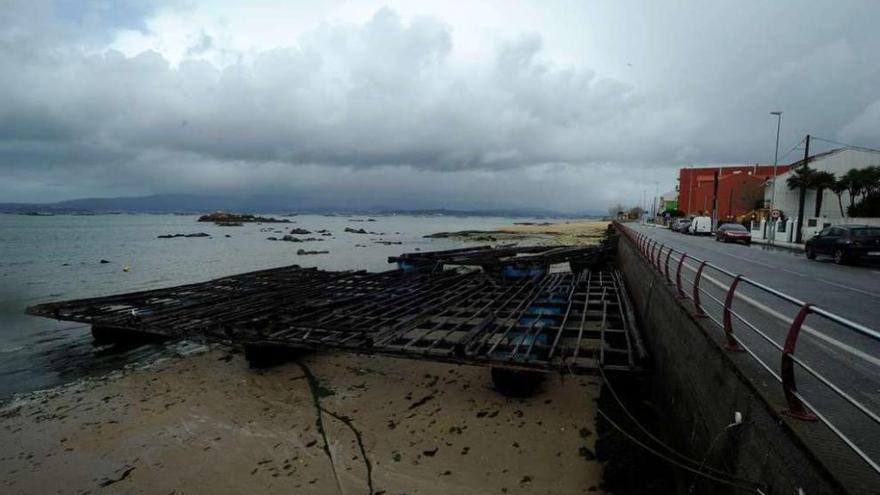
(862, 185)
(629, 213)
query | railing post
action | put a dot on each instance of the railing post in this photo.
(699, 308)
(796, 408)
(668, 254)
(731, 345)
(678, 276)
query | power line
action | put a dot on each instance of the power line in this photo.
(792, 149)
(845, 145)
(647, 432)
(744, 485)
(721, 477)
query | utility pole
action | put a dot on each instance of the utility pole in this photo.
(656, 203)
(715, 199)
(730, 204)
(803, 195)
(644, 204)
(690, 188)
(778, 115)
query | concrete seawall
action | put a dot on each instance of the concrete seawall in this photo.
(697, 386)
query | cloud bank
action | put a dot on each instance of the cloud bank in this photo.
(384, 110)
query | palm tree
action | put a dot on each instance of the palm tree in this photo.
(800, 180)
(871, 180)
(801, 177)
(820, 181)
(839, 187)
(853, 179)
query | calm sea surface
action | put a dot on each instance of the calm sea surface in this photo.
(52, 258)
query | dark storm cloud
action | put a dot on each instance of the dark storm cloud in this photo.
(384, 106)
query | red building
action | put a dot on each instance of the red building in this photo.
(739, 188)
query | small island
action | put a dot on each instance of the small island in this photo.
(237, 219)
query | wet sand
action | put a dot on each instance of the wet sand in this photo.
(572, 232)
(328, 424)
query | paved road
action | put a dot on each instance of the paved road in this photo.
(849, 360)
(850, 291)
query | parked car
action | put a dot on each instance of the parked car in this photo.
(845, 243)
(700, 226)
(680, 224)
(733, 232)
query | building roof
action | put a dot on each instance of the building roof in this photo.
(726, 165)
(816, 156)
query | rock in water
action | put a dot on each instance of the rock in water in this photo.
(303, 252)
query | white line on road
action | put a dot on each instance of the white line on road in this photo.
(867, 293)
(799, 274)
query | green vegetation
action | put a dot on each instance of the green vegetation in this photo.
(861, 185)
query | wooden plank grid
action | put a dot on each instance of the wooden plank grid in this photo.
(568, 321)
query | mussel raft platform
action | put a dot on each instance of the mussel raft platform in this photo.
(511, 309)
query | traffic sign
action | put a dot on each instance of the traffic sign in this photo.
(775, 214)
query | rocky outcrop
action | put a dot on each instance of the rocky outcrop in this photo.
(290, 238)
(303, 252)
(172, 236)
(223, 218)
(357, 231)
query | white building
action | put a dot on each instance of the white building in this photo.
(838, 162)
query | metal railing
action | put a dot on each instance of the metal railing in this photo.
(671, 263)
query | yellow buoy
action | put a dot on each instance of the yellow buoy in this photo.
(125, 268)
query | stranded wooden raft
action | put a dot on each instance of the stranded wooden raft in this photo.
(514, 312)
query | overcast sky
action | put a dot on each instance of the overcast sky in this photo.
(567, 105)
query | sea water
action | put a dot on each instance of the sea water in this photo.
(51, 258)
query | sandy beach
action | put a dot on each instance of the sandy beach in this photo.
(568, 232)
(574, 232)
(328, 423)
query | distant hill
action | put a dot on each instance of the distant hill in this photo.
(264, 203)
(159, 203)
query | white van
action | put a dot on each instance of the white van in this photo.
(700, 226)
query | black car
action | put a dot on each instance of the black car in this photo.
(845, 243)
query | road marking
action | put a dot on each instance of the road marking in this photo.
(868, 293)
(799, 274)
(766, 265)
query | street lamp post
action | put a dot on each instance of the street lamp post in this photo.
(778, 114)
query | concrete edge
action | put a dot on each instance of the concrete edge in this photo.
(805, 436)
